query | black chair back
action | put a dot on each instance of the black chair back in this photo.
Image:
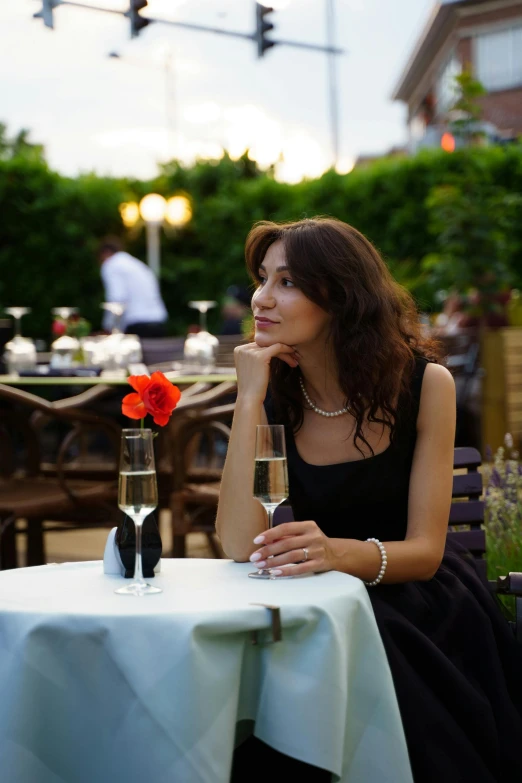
(467, 508)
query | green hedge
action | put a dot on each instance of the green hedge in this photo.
(50, 224)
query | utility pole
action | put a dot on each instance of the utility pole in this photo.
(332, 79)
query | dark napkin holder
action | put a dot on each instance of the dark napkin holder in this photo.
(151, 546)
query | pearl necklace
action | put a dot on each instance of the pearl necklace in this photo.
(318, 410)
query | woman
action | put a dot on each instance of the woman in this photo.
(336, 335)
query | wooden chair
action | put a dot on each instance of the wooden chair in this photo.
(201, 445)
(26, 493)
(189, 464)
(194, 504)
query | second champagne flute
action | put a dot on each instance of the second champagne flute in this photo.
(270, 474)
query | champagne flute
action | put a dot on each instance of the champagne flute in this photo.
(270, 475)
(137, 495)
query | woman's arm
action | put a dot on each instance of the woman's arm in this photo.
(431, 479)
(240, 518)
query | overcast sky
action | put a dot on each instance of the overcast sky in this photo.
(175, 93)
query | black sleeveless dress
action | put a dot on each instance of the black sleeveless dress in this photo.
(456, 666)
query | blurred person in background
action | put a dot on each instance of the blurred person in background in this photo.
(236, 308)
(128, 280)
(452, 318)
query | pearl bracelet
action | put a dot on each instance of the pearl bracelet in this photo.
(384, 562)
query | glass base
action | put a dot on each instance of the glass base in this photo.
(139, 589)
(267, 575)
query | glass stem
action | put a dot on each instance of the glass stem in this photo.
(17, 326)
(203, 320)
(270, 512)
(138, 571)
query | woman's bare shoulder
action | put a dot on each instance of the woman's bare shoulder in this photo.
(437, 377)
(437, 395)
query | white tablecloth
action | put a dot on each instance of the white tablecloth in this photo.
(98, 688)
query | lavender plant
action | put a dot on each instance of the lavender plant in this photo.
(503, 517)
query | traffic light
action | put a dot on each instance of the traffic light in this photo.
(262, 28)
(137, 22)
(47, 12)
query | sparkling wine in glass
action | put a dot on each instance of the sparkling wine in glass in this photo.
(270, 474)
(137, 495)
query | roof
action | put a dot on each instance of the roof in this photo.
(435, 34)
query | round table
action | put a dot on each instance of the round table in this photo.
(97, 687)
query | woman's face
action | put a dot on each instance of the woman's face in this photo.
(282, 313)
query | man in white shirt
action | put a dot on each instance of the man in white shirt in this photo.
(128, 280)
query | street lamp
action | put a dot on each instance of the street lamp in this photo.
(130, 213)
(179, 211)
(152, 209)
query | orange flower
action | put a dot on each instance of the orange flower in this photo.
(155, 395)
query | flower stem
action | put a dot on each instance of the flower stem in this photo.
(142, 423)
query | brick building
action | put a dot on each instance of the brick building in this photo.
(482, 35)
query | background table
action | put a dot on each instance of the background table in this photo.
(97, 687)
(55, 380)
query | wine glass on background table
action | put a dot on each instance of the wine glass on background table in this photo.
(20, 352)
(64, 312)
(116, 309)
(137, 495)
(200, 349)
(203, 306)
(66, 348)
(270, 475)
(113, 354)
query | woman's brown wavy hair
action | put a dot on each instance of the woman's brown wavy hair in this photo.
(375, 328)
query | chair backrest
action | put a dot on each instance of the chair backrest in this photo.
(170, 458)
(468, 509)
(225, 351)
(158, 350)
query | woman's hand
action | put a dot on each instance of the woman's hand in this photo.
(284, 545)
(253, 367)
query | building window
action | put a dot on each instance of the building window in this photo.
(447, 88)
(499, 59)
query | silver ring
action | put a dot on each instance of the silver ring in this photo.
(305, 550)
